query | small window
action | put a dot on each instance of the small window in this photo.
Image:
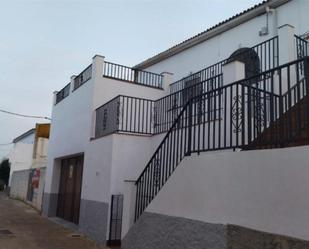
(192, 88)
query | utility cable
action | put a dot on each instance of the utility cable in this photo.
(6, 144)
(23, 115)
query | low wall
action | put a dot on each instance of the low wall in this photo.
(156, 231)
(265, 190)
(19, 184)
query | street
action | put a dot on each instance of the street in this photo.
(21, 227)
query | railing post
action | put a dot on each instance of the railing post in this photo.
(232, 72)
(97, 66)
(118, 106)
(72, 81)
(190, 116)
(281, 122)
(55, 97)
(135, 75)
(306, 76)
(287, 49)
(96, 75)
(167, 80)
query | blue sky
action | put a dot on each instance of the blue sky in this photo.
(44, 42)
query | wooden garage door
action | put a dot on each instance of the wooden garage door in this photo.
(70, 188)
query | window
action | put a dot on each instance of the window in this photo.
(251, 60)
(191, 88)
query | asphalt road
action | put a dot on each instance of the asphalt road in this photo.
(21, 227)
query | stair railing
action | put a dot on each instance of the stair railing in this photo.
(215, 120)
(240, 115)
(162, 164)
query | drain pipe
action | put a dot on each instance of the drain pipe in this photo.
(265, 30)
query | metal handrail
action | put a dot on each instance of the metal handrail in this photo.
(128, 74)
(258, 116)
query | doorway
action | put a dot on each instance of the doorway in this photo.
(70, 188)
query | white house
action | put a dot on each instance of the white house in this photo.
(20, 157)
(28, 159)
(203, 145)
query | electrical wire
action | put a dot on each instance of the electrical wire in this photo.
(23, 115)
(6, 144)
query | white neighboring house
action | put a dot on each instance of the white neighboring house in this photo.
(158, 155)
(20, 157)
(28, 159)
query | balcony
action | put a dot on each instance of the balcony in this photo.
(125, 114)
(79, 80)
(116, 72)
(131, 75)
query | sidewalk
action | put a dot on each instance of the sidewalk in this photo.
(21, 227)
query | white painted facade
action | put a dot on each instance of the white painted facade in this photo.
(40, 153)
(29, 153)
(266, 190)
(113, 162)
(221, 46)
(108, 161)
(20, 157)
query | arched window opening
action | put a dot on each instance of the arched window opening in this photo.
(250, 58)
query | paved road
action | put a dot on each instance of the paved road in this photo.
(32, 231)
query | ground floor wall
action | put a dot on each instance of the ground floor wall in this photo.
(19, 184)
(93, 208)
(111, 165)
(266, 190)
(37, 196)
(22, 187)
(157, 231)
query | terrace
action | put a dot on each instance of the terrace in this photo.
(125, 114)
(112, 71)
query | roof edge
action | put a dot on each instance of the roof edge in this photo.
(25, 134)
(230, 23)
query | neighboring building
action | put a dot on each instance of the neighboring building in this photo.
(204, 133)
(28, 160)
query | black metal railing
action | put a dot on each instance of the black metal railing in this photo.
(125, 114)
(168, 108)
(63, 93)
(202, 75)
(301, 50)
(301, 47)
(145, 116)
(120, 72)
(270, 110)
(107, 118)
(83, 77)
(266, 57)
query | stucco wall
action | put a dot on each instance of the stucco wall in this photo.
(20, 158)
(130, 156)
(109, 160)
(28, 139)
(245, 35)
(156, 231)
(110, 164)
(70, 128)
(19, 184)
(38, 192)
(265, 190)
(106, 89)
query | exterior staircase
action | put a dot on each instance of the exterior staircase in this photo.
(226, 118)
(289, 129)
